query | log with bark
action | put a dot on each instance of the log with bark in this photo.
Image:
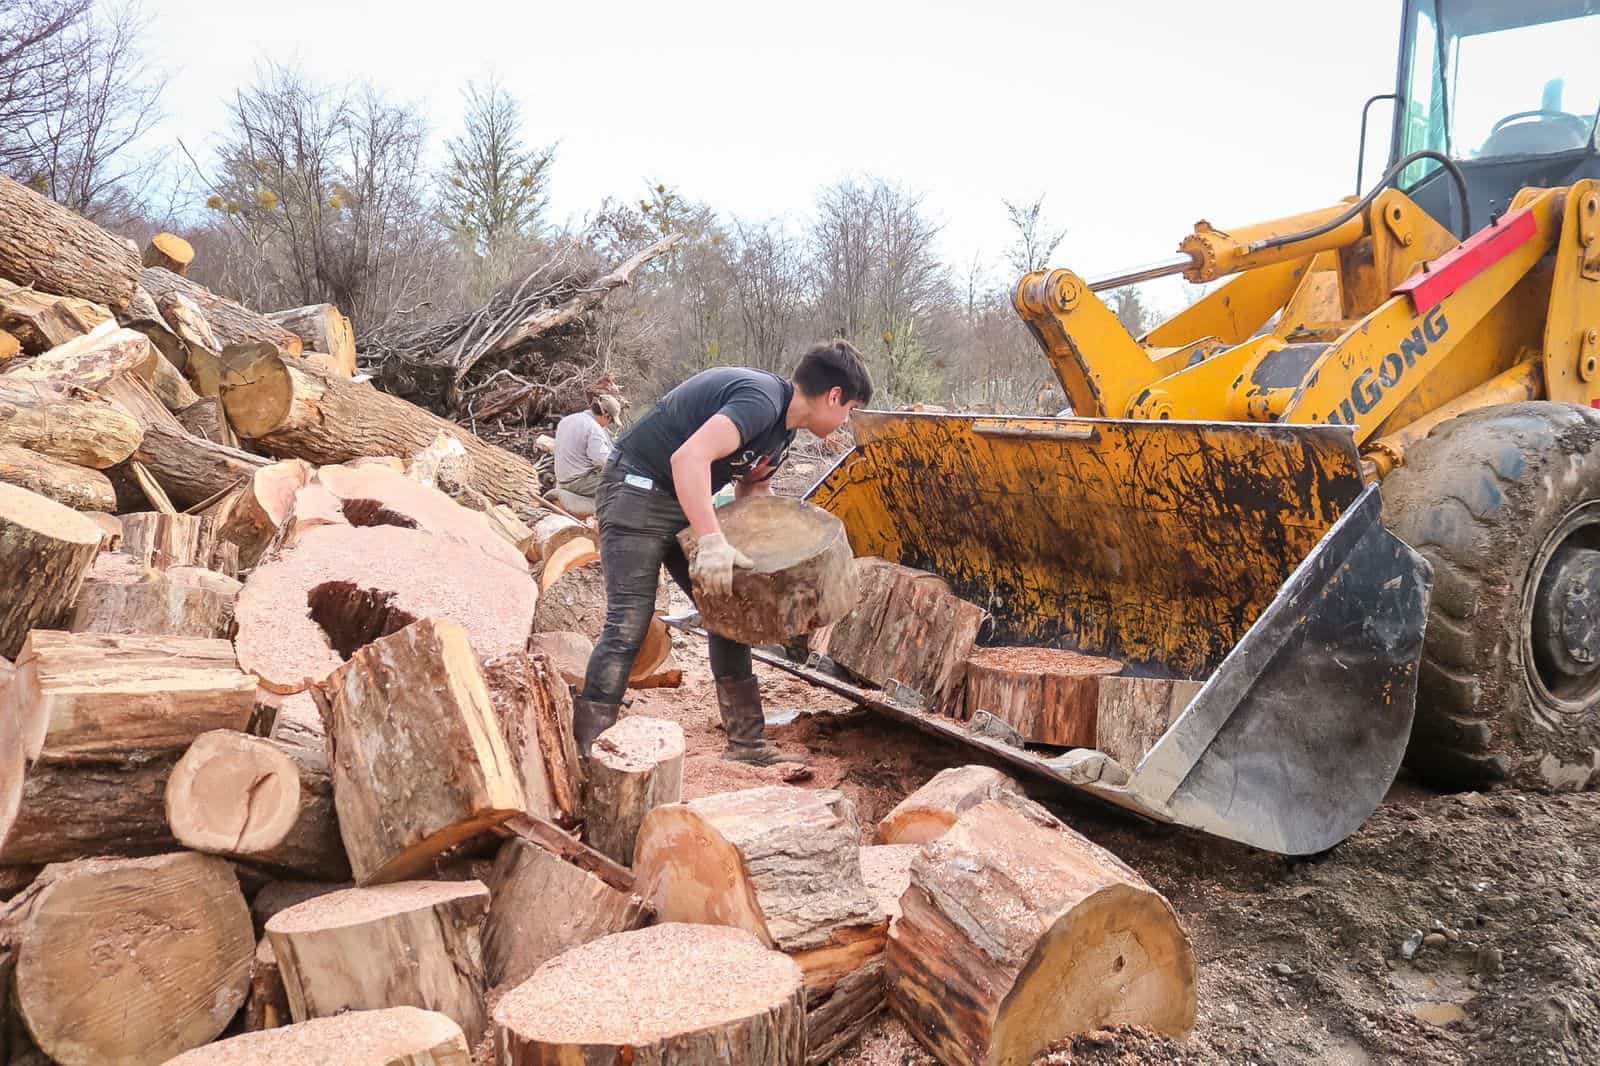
(70, 485)
(164, 541)
(133, 395)
(170, 252)
(543, 905)
(259, 801)
(580, 551)
(89, 361)
(129, 960)
(66, 423)
(691, 995)
(194, 470)
(411, 944)
(205, 419)
(361, 584)
(54, 249)
(1047, 695)
(45, 551)
(928, 812)
(73, 810)
(122, 595)
(803, 577)
(419, 764)
(253, 515)
(230, 323)
(570, 651)
(1133, 712)
(396, 1036)
(40, 321)
(634, 767)
(268, 1005)
(534, 710)
(322, 328)
(1016, 932)
(576, 603)
(188, 323)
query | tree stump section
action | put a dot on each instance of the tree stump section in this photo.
(259, 801)
(804, 576)
(543, 905)
(122, 595)
(1016, 932)
(362, 584)
(130, 960)
(570, 651)
(230, 323)
(55, 249)
(261, 506)
(634, 767)
(45, 551)
(534, 709)
(886, 868)
(576, 603)
(66, 424)
(932, 809)
(1134, 712)
(167, 540)
(690, 995)
(68, 484)
(170, 252)
(397, 1036)
(268, 1005)
(411, 944)
(1046, 694)
(40, 321)
(322, 328)
(418, 761)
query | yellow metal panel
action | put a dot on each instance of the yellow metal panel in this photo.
(1572, 325)
(1205, 390)
(1218, 253)
(1101, 366)
(1235, 310)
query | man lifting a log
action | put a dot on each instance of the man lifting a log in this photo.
(724, 424)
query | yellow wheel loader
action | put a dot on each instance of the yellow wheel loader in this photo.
(1354, 490)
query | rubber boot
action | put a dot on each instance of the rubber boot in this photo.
(590, 718)
(740, 703)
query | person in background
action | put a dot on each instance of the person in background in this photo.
(724, 424)
(582, 448)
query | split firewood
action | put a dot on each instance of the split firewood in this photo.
(396, 1036)
(1047, 695)
(230, 323)
(122, 595)
(361, 584)
(45, 551)
(192, 469)
(1133, 713)
(261, 506)
(88, 361)
(804, 576)
(928, 812)
(130, 960)
(268, 1005)
(411, 944)
(258, 801)
(534, 709)
(691, 995)
(570, 651)
(54, 249)
(68, 484)
(576, 603)
(542, 906)
(170, 252)
(40, 321)
(1016, 932)
(275, 897)
(323, 329)
(781, 863)
(580, 551)
(373, 495)
(635, 767)
(886, 868)
(66, 424)
(418, 761)
(167, 540)
(204, 419)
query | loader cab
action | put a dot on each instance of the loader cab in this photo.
(1510, 89)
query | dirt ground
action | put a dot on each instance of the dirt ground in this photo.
(1493, 896)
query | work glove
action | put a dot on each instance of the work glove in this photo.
(714, 564)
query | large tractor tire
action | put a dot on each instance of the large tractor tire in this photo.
(1505, 504)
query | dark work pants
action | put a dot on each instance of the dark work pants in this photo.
(638, 535)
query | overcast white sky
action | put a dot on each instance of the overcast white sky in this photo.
(1134, 118)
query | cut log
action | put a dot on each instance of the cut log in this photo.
(314, 506)
(838, 1021)
(781, 863)
(193, 469)
(362, 584)
(275, 897)
(130, 960)
(264, 502)
(411, 944)
(932, 809)
(122, 595)
(110, 527)
(170, 252)
(635, 767)
(184, 317)
(40, 321)
(75, 810)
(886, 868)
(88, 361)
(168, 540)
(398, 1036)
(68, 484)
(1016, 932)
(554, 530)
(418, 761)
(576, 603)
(298, 413)
(163, 377)
(570, 651)
(690, 995)
(543, 906)
(268, 1005)
(230, 323)
(803, 578)
(504, 521)
(204, 419)
(66, 424)
(1047, 695)
(259, 801)
(574, 553)
(322, 328)
(55, 249)
(45, 551)
(534, 709)
(1133, 712)
(129, 392)
(906, 625)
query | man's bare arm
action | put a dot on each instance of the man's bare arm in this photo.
(691, 471)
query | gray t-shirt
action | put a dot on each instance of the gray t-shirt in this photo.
(582, 445)
(756, 402)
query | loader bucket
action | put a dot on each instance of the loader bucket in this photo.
(1247, 556)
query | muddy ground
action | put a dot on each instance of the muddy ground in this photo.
(1493, 896)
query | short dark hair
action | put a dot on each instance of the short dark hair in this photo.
(835, 364)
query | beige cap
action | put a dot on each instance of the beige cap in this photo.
(610, 405)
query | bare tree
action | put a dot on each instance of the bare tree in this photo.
(31, 78)
(1131, 310)
(769, 287)
(1036, 240)
(910, 285)
(844, 249)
